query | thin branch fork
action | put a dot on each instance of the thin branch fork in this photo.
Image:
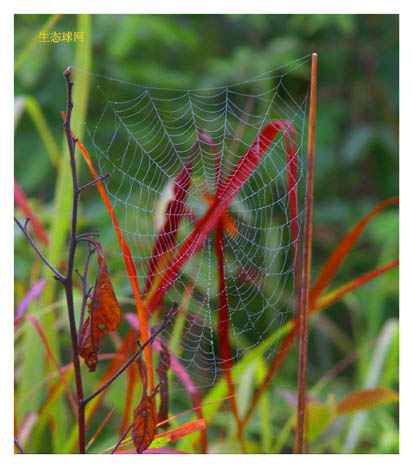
(87, 234)
(85, 291)
(57, 275)
(67, 279)
(93, 182)
(137, 354)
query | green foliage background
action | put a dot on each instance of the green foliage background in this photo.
(356, 167)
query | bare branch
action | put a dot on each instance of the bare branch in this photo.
(16, 443)
(87, 234)
(93, 182)
(68, 283)
(56, 275)
(138, 353)
(85, 291)
(125, 433)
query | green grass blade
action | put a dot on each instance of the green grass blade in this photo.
(264, 410)
(37, 116)
(35, 112)
(53, 19)
(381, 350)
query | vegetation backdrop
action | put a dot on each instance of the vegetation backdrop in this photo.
(356, 168)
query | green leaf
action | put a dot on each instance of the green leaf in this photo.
(33, 43)
(35, 112)
(320, 416)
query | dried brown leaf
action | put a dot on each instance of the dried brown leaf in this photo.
(104, 315)
(144, 416)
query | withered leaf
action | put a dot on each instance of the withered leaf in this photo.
(163, 367)
(104, 315)
(144, 419)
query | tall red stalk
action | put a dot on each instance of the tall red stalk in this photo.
(306, 274)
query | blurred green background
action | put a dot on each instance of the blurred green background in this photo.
(356, 159)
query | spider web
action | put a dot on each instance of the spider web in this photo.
(150, 141)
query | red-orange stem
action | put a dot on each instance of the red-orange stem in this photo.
(306, 272)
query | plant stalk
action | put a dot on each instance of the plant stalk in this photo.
(304, 308)
(68, 281)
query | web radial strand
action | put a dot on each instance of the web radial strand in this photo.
(157, 143)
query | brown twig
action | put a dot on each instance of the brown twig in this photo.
(138, 353)
(57, 275)
(16, 443)
(93, 182)
(68, 281)
(85, 291)
(304, 309)
(124, 434)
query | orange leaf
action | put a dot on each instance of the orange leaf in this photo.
(183, 430)
(365, 399)
(104, 315)
(340, 253)
(144, 424)
(144, 419)
(335, 295)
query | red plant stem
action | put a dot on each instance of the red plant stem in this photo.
(68, 281)
(175, 211)
(304, 310)
(223, 327)
(291, 150)
(223, 313)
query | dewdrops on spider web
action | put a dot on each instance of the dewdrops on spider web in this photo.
(171, 154)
